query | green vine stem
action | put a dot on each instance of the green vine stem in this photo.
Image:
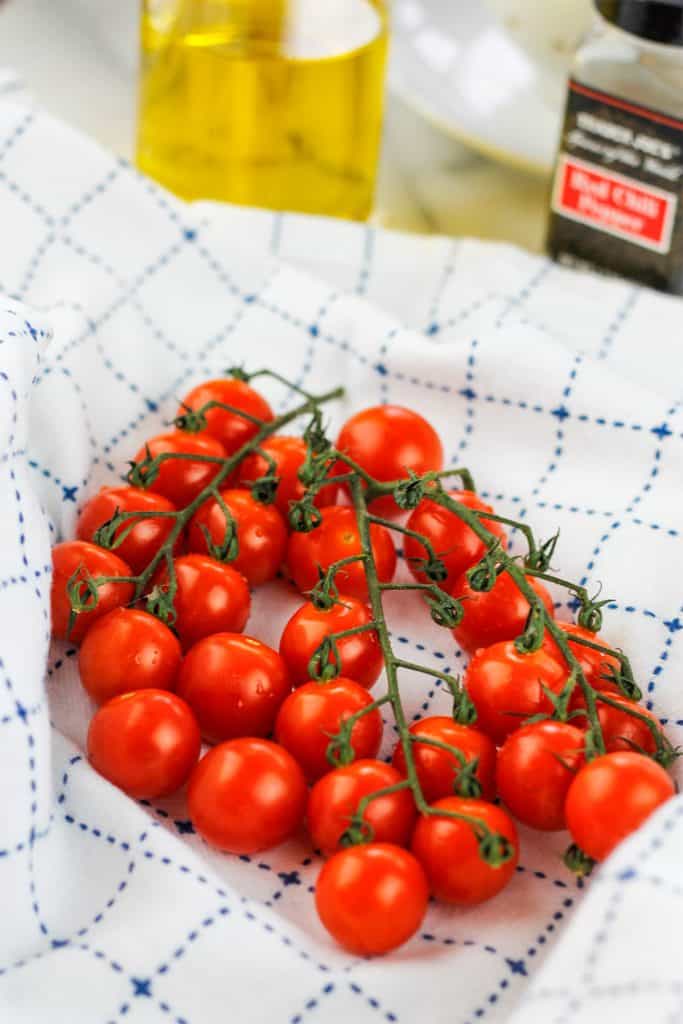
(495, 561)
(493, 848)
(321, 467)
(143, 474)
(540, 621)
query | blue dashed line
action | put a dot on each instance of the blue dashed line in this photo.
(617, 323)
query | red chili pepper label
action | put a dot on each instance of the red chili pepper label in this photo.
(614, 203)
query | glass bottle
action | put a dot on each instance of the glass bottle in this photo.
(274, 103)
(618, 192)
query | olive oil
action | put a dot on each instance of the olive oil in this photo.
(274, 103)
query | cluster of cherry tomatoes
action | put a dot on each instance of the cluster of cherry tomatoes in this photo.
(166, 687)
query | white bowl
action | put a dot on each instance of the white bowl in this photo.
(549, 30)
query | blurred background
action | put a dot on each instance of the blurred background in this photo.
(473, 108)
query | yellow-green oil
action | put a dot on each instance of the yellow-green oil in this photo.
(273, 103)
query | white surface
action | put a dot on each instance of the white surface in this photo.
(79, 59)
(557, 392)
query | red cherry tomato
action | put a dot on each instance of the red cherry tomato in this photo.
(611, 797)
(448, 850)
(360, 655)
(181, 480)
(437, 770)
(315, 712)
(92, 561)
(536, 767)
(261, 534)
(387, 441)
(371, 898)
(235, 686)
(500, 614)
(335, 797)
(230, 428)
(145, 538)
(507, 687)
(288, 454)
(623, 731)
(125, 650)
(596, 666)
(455, 543)
(210, 598)
(337, 537)
(146, 743)
(246, 795)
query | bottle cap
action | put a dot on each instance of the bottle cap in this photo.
(660, 21)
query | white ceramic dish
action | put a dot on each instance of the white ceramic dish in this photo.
(492, 76)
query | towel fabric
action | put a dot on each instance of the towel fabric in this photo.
(560, 391)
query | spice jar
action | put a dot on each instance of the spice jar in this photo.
(618, 186)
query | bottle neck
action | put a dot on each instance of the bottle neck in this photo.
(667, 53)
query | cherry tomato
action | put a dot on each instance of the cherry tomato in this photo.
(387, 441)
(288, 454)
(360, 655)
(335, 797)
(261, 534)
(596, 666)
(536, 767)
(455, 543)
(448, 850)
(372, 898)
(75, 555)
(611, 797)
(210, 598)
(247, 795)
(181, 480)
(621, 730)
(235, 686)
(145, 538)
(146, 743)
(438, 770)
(315, 712)
(337, 537)
(125, 650)
(500, 614)
(231, 429)
(507, 687)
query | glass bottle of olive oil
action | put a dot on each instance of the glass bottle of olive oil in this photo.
(274, 103)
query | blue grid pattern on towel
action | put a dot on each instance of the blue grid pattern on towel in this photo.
(309, 332)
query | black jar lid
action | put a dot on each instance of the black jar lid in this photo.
(660, 21)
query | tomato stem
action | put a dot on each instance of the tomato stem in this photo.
(227, 466)
(488, 841)
(666, 753)
(538, 612)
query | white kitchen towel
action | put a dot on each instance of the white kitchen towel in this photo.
(560, 391)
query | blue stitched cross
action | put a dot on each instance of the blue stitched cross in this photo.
(516, 966)
(142, 986)
(561, 413)
(289, 877)
(69, 493)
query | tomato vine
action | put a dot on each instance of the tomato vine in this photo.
(324, 465)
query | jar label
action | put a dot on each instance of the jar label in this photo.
(617, 189)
